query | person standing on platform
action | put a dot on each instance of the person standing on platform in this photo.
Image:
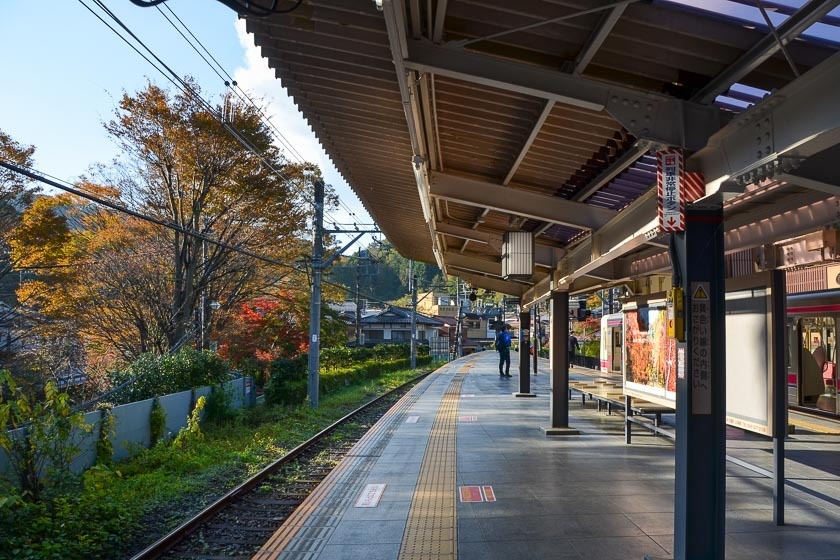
(502, 345)
(573, 348)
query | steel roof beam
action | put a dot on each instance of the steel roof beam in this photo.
(617, 167)
(519, 202)
(647, 115)
(549, 105)
(795, 25)
(494, 284)
(468, 234)
(597, 38)
(476, 264)
(798, 121)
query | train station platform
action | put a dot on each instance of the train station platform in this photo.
(460, 468)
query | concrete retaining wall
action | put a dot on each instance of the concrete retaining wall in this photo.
(131, 423)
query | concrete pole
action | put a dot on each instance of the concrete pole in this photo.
(413, 282)
(315, 302)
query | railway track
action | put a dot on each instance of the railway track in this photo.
(237, 524)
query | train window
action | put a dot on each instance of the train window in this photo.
(818, 363)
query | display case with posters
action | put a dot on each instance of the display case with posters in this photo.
(649, 356)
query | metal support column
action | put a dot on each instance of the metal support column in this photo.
(413, 281)
(701, 391)
(780, 409)
(315, 302)
(536, 337)
(524, 354)
(559, 365)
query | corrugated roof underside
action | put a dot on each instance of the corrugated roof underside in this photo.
(335, 61)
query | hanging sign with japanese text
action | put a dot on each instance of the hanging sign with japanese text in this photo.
(670, 186)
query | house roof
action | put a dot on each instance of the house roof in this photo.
(398, 315)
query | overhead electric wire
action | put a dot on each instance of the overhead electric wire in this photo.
(243, 96)
(226, 77)
(65, 186)
(179, 82)
(187, 88)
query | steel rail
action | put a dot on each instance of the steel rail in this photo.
(167, 542)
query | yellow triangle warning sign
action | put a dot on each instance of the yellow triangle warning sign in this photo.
(700, 293)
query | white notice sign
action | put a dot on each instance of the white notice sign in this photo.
(412, 419)
(701, 349)
(370, 496)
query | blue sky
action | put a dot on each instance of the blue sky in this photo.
(64, 72)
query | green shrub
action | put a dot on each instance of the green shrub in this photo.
(157, 423)
(104, 446)
(219, 408)
(152, 376)
(192, 431)
(41, 447)
(287, 382)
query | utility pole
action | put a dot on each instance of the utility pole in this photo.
(358, 297)
(413, 282)
(315, 302)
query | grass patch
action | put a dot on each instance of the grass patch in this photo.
(123, 507)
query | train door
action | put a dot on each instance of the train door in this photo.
(817, 371)
(615, 341)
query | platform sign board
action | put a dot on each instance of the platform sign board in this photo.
(650, 357)
(670, 188)
(749, 353)
(370, 496)
(412, 419)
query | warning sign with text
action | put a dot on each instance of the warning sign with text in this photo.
(701, 349)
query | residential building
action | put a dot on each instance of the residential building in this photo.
(393, 325)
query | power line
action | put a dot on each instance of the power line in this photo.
(179, 82)
(64, 186)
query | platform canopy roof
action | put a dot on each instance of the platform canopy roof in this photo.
(457, 121)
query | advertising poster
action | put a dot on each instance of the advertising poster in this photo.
(650, 359)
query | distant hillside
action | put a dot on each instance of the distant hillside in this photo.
(383, 273)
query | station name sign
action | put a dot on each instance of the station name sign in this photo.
(670, 186)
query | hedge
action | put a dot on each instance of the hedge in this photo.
(288, 382)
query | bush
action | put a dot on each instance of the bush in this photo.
(287, 382)
(219, 407)
(104, 446)
(152, 376)
(192, 431)
(157, 423)
(41, 446)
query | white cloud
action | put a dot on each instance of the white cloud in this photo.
(258, 80)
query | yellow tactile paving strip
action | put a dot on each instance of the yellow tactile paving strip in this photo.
(811, 427)
(431, 531)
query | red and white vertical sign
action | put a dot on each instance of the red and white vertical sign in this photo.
(670, 183)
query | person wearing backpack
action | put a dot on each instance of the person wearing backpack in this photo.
(502, 345)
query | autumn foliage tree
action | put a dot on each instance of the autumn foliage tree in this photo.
(124, 286)
(273, 327)
(183, 165)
